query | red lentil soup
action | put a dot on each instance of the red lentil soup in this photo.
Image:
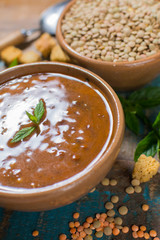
(74, 131)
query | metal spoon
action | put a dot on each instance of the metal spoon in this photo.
(48, 23)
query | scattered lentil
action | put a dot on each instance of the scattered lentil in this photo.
(105, 182)
(77, 224)
(98, 215)
(82, 234)
(74, 236)
(89, 219)
(123, 210)
(76, 215)
(35, 233)
(96, 224)
(135, 228)
(71, 224)
(103, 215)
(99, 234)
(145, 207)
(86, 225)
(109, 206)
(72, 230)
(112, 225)
(107, 231)
(111, 213)
(88, 231)
(113, 182)
(80, 228)
(114, 199)
(153, 233)
(135, 182)
(146, 236)
(140, 234)
(138, 189)
(125, 229)
(118, 221)
(106, 224)
(143, 228)
(130, 190)
(116, 231)
(134, 234)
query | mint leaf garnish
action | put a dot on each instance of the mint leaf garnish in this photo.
(23, 133)
(32, 118)
(39, 111)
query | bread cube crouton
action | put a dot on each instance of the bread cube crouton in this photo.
(58, 55)
(45, 44)
(29, 57)
(145, 168)
(10, 53)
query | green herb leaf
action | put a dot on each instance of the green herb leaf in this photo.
(140, 113)
(146, 97)
(132, 122)
(13, 63)
(147, 146)
(23, 133)
(39, 111)
(124, 102)
(32, 118)
(157, 121)
(158, 148)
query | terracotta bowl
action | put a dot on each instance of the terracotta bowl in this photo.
(120, 75)
(69, 190)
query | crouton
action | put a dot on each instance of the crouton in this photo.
(58, 55)
(10, 53)
(145, 168)
(29, 57)
(45, 44)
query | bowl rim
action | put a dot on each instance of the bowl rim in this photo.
(72, 52)
(14, 192)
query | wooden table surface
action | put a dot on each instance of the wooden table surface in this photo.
(15, 225)
(18, 14)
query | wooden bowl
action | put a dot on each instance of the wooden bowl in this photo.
(120, 75)
(69, 190)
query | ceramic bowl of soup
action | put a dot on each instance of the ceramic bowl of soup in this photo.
(71, 146)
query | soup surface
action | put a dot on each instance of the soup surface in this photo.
(74, 130)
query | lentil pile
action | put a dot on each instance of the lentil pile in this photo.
(117, 30)
(108, 223)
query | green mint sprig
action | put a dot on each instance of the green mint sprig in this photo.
(150, 145)
(134, 107)
(25, 132)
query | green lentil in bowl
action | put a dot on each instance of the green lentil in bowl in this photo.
(113, 31)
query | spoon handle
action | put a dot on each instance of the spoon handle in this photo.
(13, 38)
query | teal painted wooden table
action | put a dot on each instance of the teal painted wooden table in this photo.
(20, 225)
